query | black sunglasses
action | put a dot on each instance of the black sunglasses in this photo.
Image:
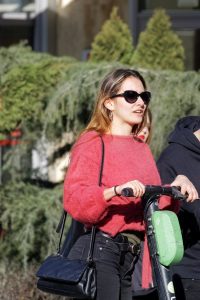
(132, 96)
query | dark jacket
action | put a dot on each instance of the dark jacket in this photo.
(182, 156)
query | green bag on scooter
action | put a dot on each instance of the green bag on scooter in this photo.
(168, 237)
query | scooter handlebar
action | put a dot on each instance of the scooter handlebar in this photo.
(157, 190)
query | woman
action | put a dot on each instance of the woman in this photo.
(145, 132)
(120, 108)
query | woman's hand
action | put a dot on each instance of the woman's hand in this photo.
(136, 185)
(187, 188)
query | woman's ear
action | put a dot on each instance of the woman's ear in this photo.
(109, 104)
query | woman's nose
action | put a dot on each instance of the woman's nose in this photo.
(139, 100)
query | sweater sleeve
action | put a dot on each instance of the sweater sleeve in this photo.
(83, 197)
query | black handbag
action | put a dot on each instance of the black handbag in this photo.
(69, 277)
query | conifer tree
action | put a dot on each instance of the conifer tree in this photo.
(114, 42)
(159, 47)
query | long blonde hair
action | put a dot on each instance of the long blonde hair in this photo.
(100, 120)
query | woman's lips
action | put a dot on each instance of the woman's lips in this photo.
(142, 137)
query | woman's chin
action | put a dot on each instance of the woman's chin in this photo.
(136, 120)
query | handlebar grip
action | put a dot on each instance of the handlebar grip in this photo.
(155, 189)
(127, 192)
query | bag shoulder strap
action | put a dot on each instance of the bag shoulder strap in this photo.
(102, 160)
(61, 224)
(93, 233)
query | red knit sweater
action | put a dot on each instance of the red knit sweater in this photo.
(125, 159)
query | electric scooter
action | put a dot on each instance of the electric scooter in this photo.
(163, 236)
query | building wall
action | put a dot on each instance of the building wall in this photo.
(78, 21)
(68, 27)
(171, 4)
(188, 40)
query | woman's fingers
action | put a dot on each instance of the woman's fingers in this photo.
(191, 192)
(138, 188)
(187, 188)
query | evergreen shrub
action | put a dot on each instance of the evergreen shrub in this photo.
(114, 42)
(26, 83)
(29, 216)
(174, 95)
(159, 48)
(22, 54)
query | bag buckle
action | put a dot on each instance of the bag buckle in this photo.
(134, 248)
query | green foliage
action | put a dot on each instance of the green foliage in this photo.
(24, 91)
(22, 54)
(29, 216)
(114, 42)
(159, 47)
(16, 161)
(27, 79)
(71, 105)
(50, 97)
(174, 95)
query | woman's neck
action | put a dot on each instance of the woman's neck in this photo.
(123, 129)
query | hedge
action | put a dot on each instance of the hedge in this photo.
(61, 97)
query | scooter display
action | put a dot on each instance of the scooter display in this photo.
(163, 236)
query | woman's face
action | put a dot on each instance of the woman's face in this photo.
(124, 113)
(145, 131)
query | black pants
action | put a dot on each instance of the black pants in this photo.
(186, 288)
(114, 267)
